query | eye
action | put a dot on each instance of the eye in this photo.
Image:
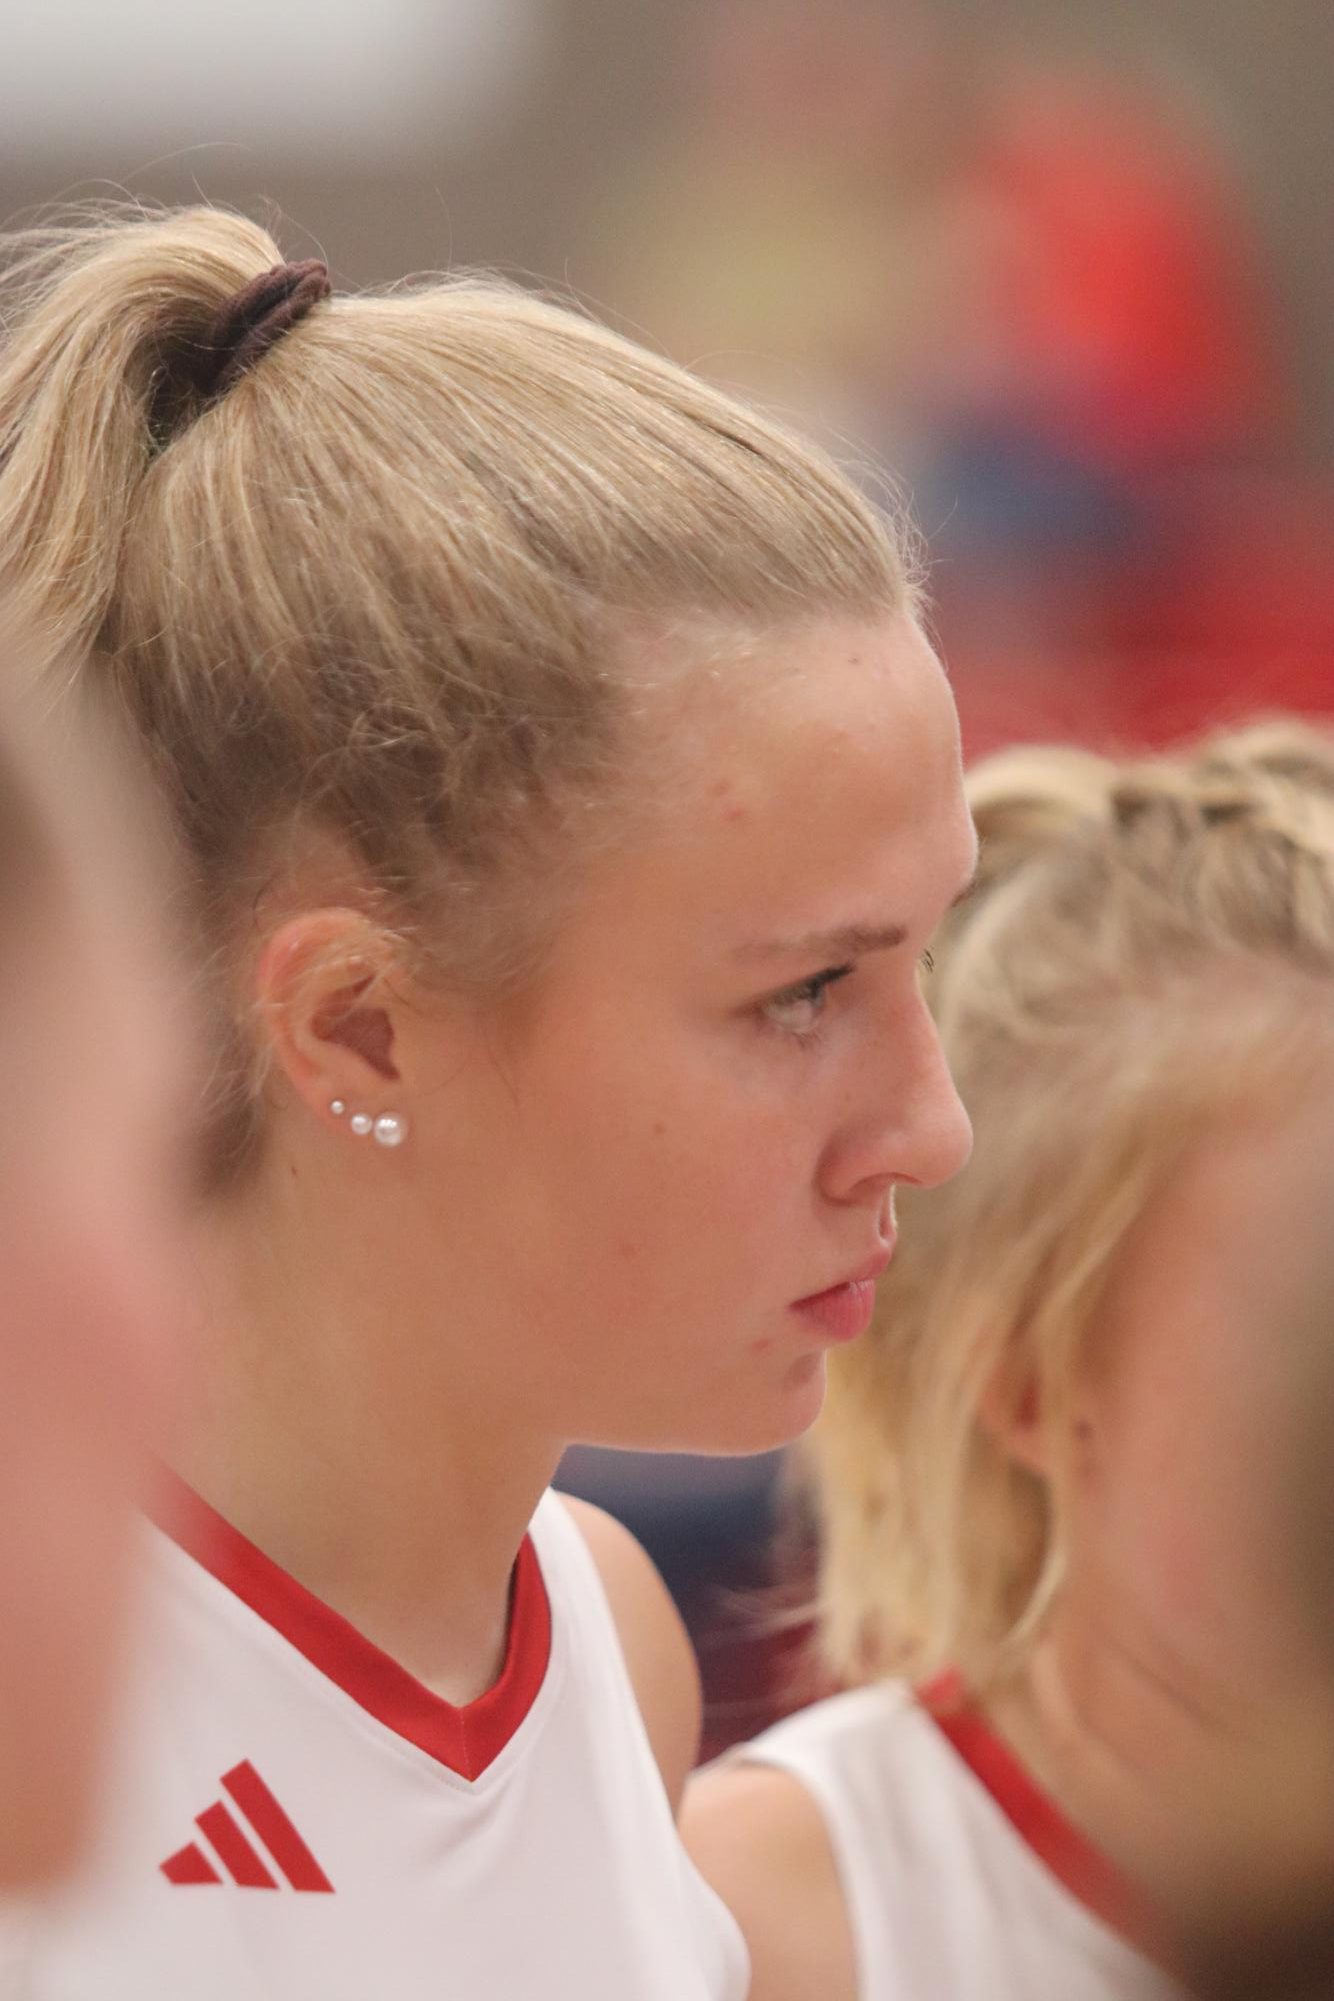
(797, 1010)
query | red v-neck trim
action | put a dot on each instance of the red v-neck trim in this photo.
(1081, 1868)
(465, 1740)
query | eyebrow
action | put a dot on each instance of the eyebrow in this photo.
(847, 941)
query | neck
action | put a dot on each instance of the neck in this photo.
(346, 1428)
(1122, 1734)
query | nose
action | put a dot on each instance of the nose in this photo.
(907, 1124)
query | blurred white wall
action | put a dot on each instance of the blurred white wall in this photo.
(346, 80)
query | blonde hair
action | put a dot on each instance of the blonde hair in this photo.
(29, 864)
(1149, 947)
(380, 588)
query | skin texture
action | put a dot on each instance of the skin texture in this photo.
(617, 1185)
(90, 1237)
(1157, 1697)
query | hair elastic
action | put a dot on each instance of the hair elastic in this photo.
(253, 321)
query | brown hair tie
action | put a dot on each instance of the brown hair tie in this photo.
(253, 320)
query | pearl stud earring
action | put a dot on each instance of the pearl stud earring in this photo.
(389, 1129)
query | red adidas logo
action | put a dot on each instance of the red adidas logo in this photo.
(229, 1839)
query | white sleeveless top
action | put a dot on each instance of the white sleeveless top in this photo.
(290, 1814)
(961, 1880)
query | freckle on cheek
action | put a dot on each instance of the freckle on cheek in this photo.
(732, 809)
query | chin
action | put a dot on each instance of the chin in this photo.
(774, 1415)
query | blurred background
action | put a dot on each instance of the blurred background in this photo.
(1058, 272)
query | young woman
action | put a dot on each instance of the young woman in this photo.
(571, 793)
(92, 1055)
(1043, 1480)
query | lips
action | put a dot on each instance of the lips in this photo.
(866, 1273)
(842, 1312)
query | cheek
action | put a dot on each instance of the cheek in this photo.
(691, 1179)
(90, 1325)
(70, 1466)
(90, 1329)
(98, 1227)
(92, 1264)
(1176, 1493)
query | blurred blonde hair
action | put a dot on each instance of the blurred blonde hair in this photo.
(29, 862)
(381, 590)
(1149, 947)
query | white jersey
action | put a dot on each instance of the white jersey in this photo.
(962, 1881)
(292, 1815)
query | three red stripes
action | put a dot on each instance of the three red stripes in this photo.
(238, 1856)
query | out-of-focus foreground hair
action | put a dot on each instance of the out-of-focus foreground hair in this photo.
(1148, 950)
(373, 604)
(83, 845)
(29, 864)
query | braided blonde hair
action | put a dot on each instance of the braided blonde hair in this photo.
(380, 591)
(1149, 945)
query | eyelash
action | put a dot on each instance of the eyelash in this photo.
(809, 992)
(812, 992)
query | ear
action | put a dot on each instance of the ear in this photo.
(1012, 1412)
(1016, 1414)
(322, 989)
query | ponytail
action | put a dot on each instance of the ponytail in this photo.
(91, 388)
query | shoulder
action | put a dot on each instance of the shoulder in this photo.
(756, 1834)
(657, 1649)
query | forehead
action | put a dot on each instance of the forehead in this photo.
(819, 696)
(812, 783)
